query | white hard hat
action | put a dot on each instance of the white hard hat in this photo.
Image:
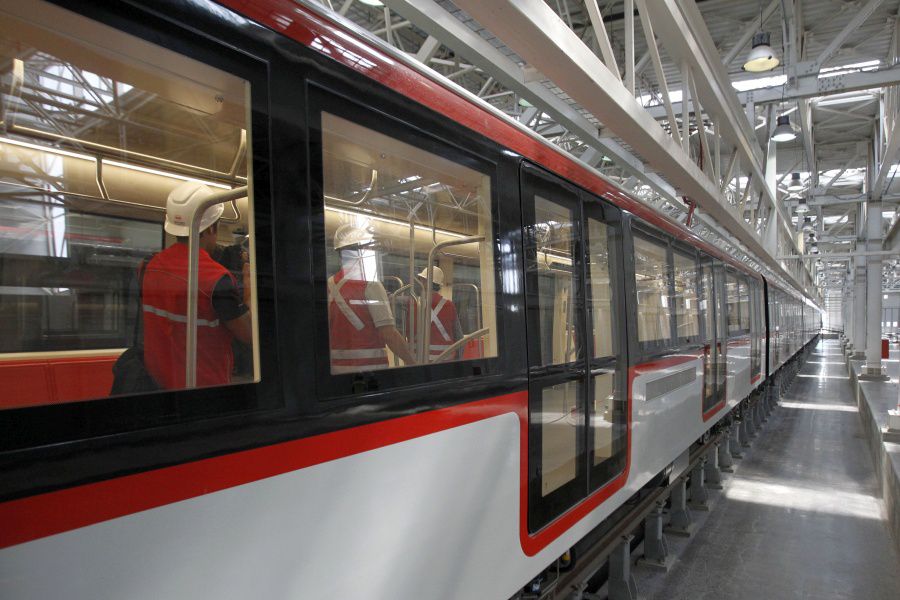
(437, 275)
(181, 203)
(351, 235)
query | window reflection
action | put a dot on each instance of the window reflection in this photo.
(409, 254)
(652, 276)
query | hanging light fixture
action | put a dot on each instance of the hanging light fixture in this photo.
(807, 224)
(802, 207)
(795, 185)
(761, 57)
(783, 130)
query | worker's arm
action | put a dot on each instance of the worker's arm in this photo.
(233, 313)
(397, 343)
(380, 310)
(241, 328)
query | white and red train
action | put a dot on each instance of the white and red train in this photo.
(598, 340)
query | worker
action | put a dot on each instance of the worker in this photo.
(360, 321)
(222, 314)
(445, 327)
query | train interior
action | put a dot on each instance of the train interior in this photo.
(94, 136)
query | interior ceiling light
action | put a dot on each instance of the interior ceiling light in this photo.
(372, 2)
(795, 185)
(783, 130)
(761, 57)
(802, 207)
(807, 224)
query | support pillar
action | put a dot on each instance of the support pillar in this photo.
(726, 461)
(621, 582)
(711, 473)
(656, 549)
(748, 430)
(699, 493)
(680, 521)
(859, 316)
(873, 369)
(736, 441)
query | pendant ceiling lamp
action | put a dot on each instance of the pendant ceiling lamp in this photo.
(802, 207)
(795, 185)
(761, 57)
(783, 130)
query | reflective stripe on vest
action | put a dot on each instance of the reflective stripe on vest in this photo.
(439, 330)
(335, 291)
(355, 344)
(164, 309)
(178, 318)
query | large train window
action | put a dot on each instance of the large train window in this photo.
(653, 277)
(110, 146)
(577, 432)
(687, 305)
(733, 299)
(408, 253)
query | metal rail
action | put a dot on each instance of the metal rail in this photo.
(190, 367)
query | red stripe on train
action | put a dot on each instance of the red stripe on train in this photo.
(56, 512)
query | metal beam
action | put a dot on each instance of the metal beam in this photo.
(435, 21)
(862, 14)
(809, 86)
(887, 159)
(681, 28)
(601, 36)
(533, 31)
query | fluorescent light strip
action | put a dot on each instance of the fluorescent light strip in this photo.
(393, 221)
(112, 163)
(115, 163)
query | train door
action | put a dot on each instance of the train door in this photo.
(713, 384)
(577, 418)
(721, 329)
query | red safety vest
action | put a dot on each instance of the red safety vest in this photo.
(356, 345)
(443, 319)
(164, 300)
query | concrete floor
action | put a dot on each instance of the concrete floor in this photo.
(800, 518)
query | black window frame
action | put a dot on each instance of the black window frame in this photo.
(332, 390)
(604, 472)
(66, 426)
(691, 253)
(650, 349)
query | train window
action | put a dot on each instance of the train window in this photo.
(607, 404)
(108, 143)
(652, 275)
(733, 298)
(712, 347)
(560, 427)
(554, 237)
(687, 306)
(408, 253)
(600, 287)
(744, 295)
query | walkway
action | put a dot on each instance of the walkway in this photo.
(800, 517)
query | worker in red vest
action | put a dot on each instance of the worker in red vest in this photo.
(222, 315)
(360, 321)
(445, 327)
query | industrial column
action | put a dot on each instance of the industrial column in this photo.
(873, 368)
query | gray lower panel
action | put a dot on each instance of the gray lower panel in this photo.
(662, 386)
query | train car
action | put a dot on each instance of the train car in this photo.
(591, 343)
